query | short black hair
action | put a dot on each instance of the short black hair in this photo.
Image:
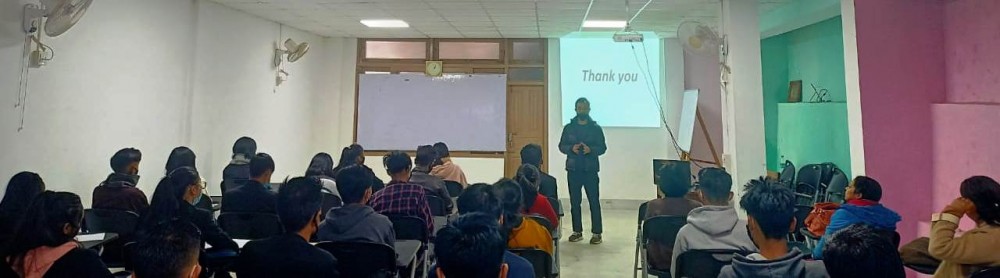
(123, 158)
(771, 204)
(582, 100)
(245, 146)
(674, 179)
(860, 251)
(180, 157)
(984, 193)
(532, 154)
(167, 250)
(425, 155)
(298, 201)
(441, 149)
(470, 246)
(260, 164)
(396, 162)
(479, 198)
(352, 182)
(715, 184)
(868, 187)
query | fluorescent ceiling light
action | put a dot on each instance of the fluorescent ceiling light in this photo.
(604, 24)
(385, 23)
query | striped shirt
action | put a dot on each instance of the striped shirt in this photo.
(404, 199)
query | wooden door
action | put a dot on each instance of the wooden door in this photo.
(527, 114)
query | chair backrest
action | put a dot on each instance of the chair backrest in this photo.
(663, 229)
(801, 212)
(642, 212)
(704, 263)
(543, 221)
(362, 259)
(330, 201)
(810, 174)
(838, 183)
(992, 272)
(827, 169)
(250, 225)
(556, 206)
(120, 222)
(540, 261)
(438, 207)
(454, 188)
(787, 175)
(409, 227)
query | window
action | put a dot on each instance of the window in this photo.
(395, 50)
(526, 74)
(469, 50)
(527, 52)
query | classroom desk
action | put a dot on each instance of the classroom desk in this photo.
(90, 241)
(406, 254)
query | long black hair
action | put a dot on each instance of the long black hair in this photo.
(22, 188)
(321, 165)
(349, 156)
(169, 195)
(43, 225)
(984, 192)
(509, 193)
(180, 157)
(528, 177)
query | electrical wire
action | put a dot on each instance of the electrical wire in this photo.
(651, 89)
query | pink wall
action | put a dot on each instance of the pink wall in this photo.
(901, 67)
(965, 144)
(972, 36)
(703, 73)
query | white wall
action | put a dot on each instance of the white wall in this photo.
(159, 74)
(626, 169)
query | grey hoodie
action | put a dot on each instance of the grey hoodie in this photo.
(792, 265)
(712, 227)
(356, 223)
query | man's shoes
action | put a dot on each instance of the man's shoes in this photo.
(575, 237)
(596, 239)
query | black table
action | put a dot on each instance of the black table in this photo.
(406, 254)
(90, 243)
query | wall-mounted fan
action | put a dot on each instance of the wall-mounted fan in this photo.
(698, 38)
(292, 52)
(54, 17)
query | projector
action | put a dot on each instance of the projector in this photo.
(627, 37)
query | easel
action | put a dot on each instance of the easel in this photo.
(686, 156)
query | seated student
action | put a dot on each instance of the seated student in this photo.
(529, 177)
(716, 224)
(532, 154)
(522, 232)
(169, 251)
(862, 206)
(471, 246)
(961, 256)
(238, 170)
(857, 251)
(400, 197)
(43, 244)
(321, 167)
(355, 155)
(421, 175)
(173, 200)
(355, 221)
(448, 170)
(770, 208)
(253, 195)
(673, 203)
(22, 188)
(185, 157)
(290, 254)
(118, 191)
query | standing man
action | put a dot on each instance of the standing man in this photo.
(583, 142)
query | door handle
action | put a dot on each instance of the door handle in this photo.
(510, 140)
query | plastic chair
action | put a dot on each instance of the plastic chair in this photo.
(250, 225)
(992, 272)
(539, 260)
(454, 188)
(543, 221)
(807, 184)
(330, 201)
(556, 206)
(437, 205)
(121, 222)
(638, 241)
(787, 175)
(835, 190)
(663, 230)
(704, 263)
(412, 228)
(362, 259)
(924, 269)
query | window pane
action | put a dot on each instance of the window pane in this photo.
(469, 50)
(528, 51)
(395, 50)
(526, 74)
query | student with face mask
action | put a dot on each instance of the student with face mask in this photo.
(173, 200)
(583, 143)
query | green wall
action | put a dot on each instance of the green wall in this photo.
(813, 54)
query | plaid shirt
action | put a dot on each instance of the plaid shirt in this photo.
(405, 199)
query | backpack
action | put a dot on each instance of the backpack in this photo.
(820, 217)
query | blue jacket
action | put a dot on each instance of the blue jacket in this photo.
(876, 215)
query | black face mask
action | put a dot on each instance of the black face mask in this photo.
(585, 117)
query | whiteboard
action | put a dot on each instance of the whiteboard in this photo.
(689, 110)
(402, 111)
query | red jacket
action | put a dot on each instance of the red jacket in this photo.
(544, 208)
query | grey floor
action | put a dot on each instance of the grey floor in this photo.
(613, 258)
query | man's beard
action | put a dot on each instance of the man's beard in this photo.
(583, 117)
